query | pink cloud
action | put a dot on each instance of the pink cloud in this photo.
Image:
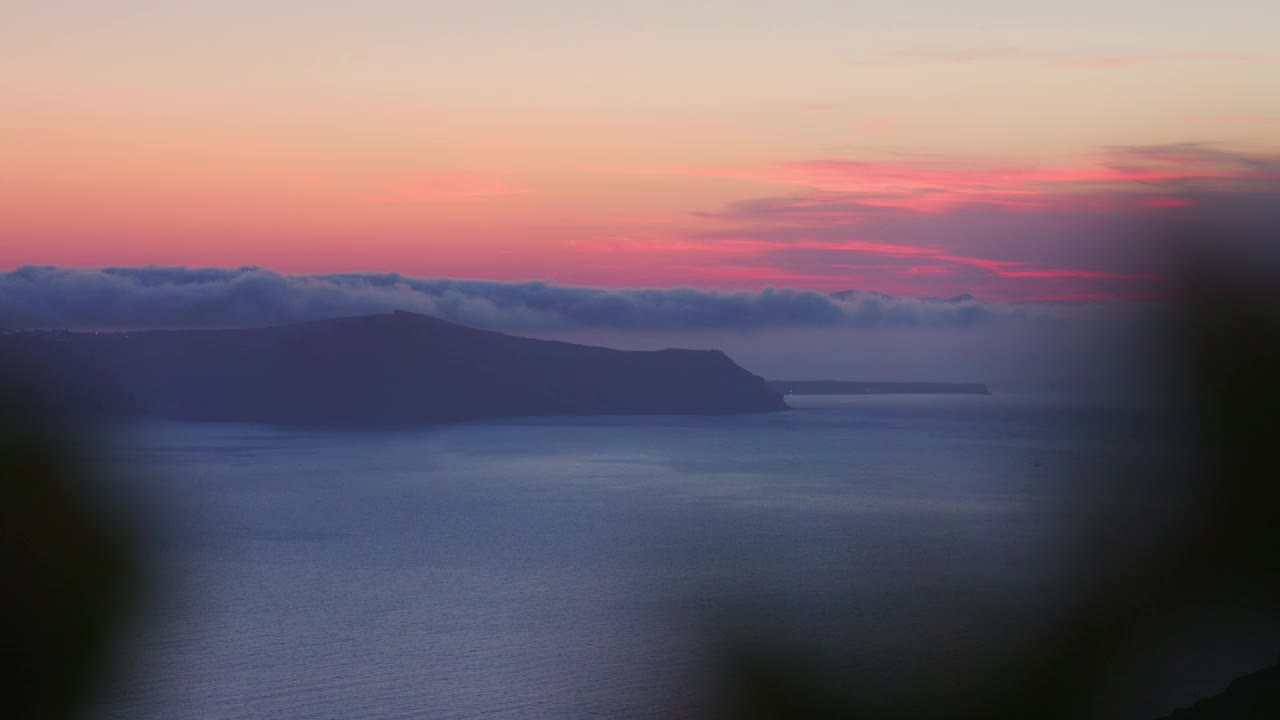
(746, 246)
(859, 246)
(946, 263)
(936, 185)
(988, 264)
(754, 258)
(757, 272)
(928, 270)
(930, 225)
(1075, 273)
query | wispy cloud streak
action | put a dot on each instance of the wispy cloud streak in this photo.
(846, 188)
(1077, 228)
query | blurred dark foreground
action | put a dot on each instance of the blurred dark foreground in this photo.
(71, 564)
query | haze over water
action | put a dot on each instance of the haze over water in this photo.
(571, 567)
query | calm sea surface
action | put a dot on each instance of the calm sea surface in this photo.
(603, 567)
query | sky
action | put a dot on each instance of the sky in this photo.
(1015, 151)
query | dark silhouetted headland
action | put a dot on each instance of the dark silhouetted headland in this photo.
(380, 369)
(839, 387)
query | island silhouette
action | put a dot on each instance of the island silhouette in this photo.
(396, 368)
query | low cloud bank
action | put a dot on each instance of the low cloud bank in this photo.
(180, 297)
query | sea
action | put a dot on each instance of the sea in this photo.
(639, 567)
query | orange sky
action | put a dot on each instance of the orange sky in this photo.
(809, 144)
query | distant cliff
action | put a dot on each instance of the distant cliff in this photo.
(379, 369)
(839, 387)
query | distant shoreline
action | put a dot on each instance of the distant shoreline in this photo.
(841, 387)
